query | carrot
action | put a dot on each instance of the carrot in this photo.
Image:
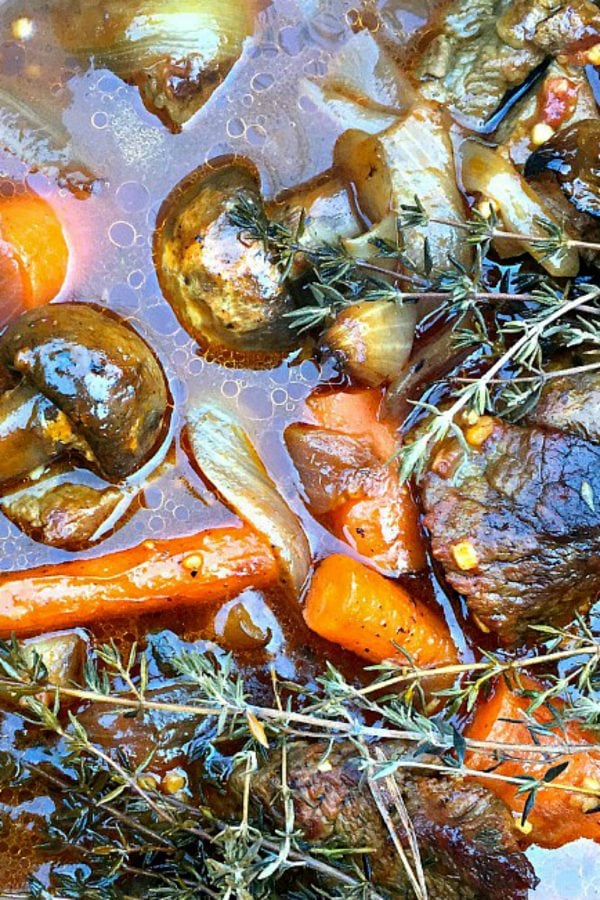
(353, 606)
(355, 413)
(382, 521)
(33, 239)
(213, 565)
(557, 817)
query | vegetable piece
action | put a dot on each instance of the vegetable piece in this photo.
(486, 172)
(205, 567)
(413, 157)
(63, 654)
(352, 605)
(573, 157)
(224, 288)
(557, 817)
(370, 96)
(226, 457)
(33, 433)
(349, 484)
(176, 51)
(99, 374)
(373, 340)
(33, 238)
(66, 515)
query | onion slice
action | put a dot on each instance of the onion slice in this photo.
(227, 458)
(486, 172)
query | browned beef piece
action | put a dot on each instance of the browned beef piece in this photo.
(517, 526)
(571, 404)
(466, 836)
(487, 47)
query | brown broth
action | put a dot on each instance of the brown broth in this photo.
(263, 113)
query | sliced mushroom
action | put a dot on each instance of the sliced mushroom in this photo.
(224, 286)
(33, 433)
(90, 383)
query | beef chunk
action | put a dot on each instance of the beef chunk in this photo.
(572, 404)
(466, 836)
(517, 526)
(487, 47)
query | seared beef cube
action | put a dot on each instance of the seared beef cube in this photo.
(466, 836)
(516, 527)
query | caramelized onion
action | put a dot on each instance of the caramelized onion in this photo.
(486, 172)
(177, 51)
(373, 340)
(225, 455)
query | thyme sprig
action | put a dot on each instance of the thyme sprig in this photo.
(539, 320)
(135, 837)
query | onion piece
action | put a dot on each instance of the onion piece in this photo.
(227, 458)
(177, 51)
(373, 340)
(364, 88)
(415, 156)
(486, 172)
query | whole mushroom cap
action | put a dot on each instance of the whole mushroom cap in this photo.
(99, 373)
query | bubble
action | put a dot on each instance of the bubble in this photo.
(122, 234)
(291, 39)
(230, 389)
(279, 396)
(236, 128)
(156, 525)
(133, 196)
(306, 104)
(99, 120)
(262, 82)
(196, 366)
(136, 279)
(247, 100)
(153, 497)
(182, 514)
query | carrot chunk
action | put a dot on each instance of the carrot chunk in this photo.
(557, 816)
(353, 606)
(214, 565)
(368, 508)
(33, 243)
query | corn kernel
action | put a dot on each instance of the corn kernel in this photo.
(465, 556)
(541, 133)
(524, 827)
(22, 28)
(192, 562)
(174, 781)
(480, 431)
(593, 55)
(148, 782)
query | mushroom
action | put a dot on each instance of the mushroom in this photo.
(89, 384)
(68, 515)
(224, 286)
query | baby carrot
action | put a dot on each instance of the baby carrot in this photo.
(33, 239)
(557, 817)
(353, 606)
(213, 565)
